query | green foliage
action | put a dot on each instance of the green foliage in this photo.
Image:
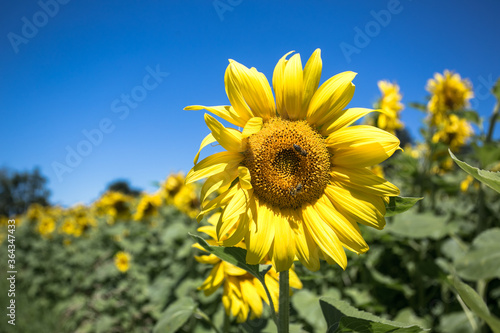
(492, 179)
(398, 205)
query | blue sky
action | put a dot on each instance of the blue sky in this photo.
(73, 68)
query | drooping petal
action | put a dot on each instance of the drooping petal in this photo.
(244, 178)
(213, 164)
(348, 233)
(279, 85)
(364, 208)
(226, 112)
(306, 249)
(324, 236)
(260, 235)
(293, 87)
(232, 212)
(343, 119)
(364, 180)
(312, 76)
(230, 140)
(254, 88)
(252, 298)
(284, 245)
(239, 233)
(331, 97)
(361, 146)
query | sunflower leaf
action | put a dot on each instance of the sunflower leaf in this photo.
(481, 260)
(233, 255)
(398, 205)
(342, 317)
(475, 303)
(491, 179)
(176, 315)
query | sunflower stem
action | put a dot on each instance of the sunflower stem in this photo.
(284, 303)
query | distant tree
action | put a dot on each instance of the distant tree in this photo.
(124, 187)
(18, 190)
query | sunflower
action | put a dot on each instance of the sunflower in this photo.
(242, 292)
(449, 92)
(148, 206)
(453, 131)
(390, 105)
(294, 183)
(122, 261)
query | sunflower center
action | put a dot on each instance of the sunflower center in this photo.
(288, 163)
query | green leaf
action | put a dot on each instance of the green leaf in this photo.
(233, 255)
(176, 315)
(342, 317)
(492, 179)
(475, 303)
(481, 261)
(306, 304)
(425, 225)
(398, 205)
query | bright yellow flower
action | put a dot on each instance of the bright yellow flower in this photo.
(390, 105)
(295, 181)
(449, 92)
(243, 293)
(453, 131)
(114, 205)
(181, 195)
(46, 226)
(148, 206)
(122, 261)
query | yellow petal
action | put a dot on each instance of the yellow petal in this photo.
(244, 177)
(305, 248)
(217, 182)
(293, 87)
(238, 234)
(361, 146)
(364, 208)
(226, 112)
(205, 142)
(252, 126)
(260, 235)
(364, 180)
(294, 280)
(214, 164)
(252, 298)
(230, 140)
(254, 88)
(343, 119)
(347, 232)
(324, 236)
(279, 86)
(283, 246)
(232, 212)
(208, 259)
(331, 97)
(312, 75)
(214, 280)
(233, 91)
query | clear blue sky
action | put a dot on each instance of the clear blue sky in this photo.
(69, 68)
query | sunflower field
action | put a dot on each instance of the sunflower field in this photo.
(315, 217)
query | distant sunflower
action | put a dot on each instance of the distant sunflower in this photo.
(122, 261)
(454, 132)
(295, 181)
(449, 92)
(390, 106)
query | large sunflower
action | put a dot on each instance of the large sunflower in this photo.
(295, 181)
